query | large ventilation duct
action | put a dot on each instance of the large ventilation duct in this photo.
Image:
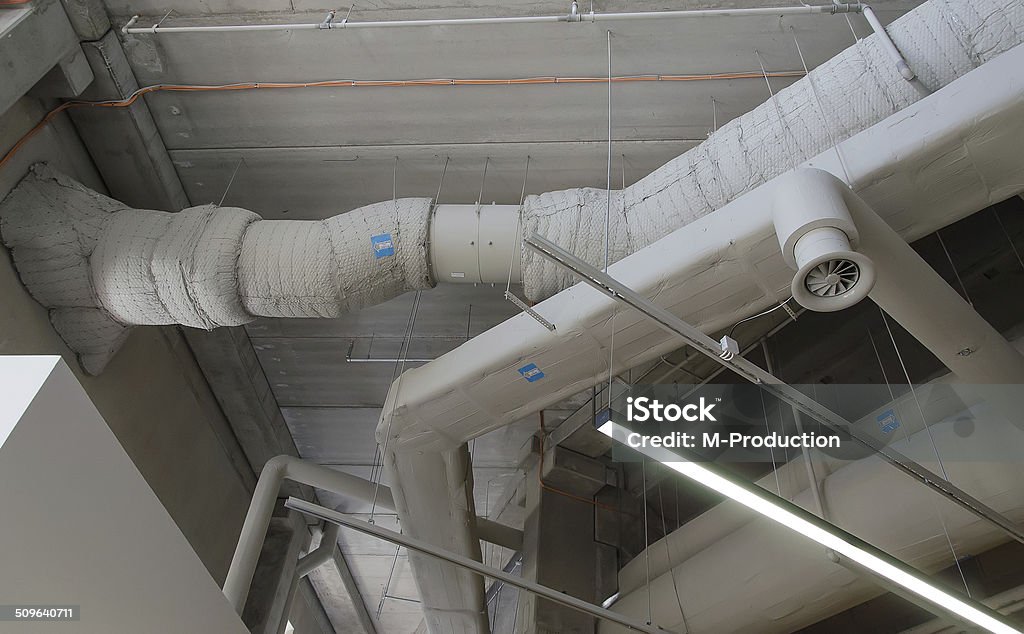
(101, 266)
(951, 409)
(731, 582)
(114, 267)
(937, 161)
(944, 159)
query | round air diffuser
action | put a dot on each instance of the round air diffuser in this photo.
(831, 276)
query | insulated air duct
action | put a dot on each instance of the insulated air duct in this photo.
(922, 171)
(113, 267)
(940, 160)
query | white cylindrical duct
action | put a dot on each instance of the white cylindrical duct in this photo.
(817, 237)
(793, 583)
(476, 244)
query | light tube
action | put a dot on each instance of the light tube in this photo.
(834, 539)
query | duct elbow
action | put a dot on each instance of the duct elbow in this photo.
(818, 238)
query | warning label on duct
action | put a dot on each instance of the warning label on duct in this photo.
(383, 245)
(888, 422)
(531, 372)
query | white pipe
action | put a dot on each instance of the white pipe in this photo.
(472, 244)
(426, 548)
(901, 64)
(264, 499)
(571, 17)
(738, 584)
(261, 509)
(321, 554)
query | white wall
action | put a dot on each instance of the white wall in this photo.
(81, 526)
(153, 395)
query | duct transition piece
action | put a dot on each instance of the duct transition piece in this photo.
(817, 237)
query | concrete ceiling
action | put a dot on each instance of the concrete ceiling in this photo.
(312, 153)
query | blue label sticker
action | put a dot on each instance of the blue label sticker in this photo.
(383, 245)
(888, 422)
(531, 372)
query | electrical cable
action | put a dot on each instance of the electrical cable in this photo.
(761, 314)
(935, 449)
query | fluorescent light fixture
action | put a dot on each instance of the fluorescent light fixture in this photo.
(808, 525)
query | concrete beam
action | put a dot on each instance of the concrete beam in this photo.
(88, 18)
(33, 40)
(124, 142)
(69, 78)
(274, 585)
(336, 587)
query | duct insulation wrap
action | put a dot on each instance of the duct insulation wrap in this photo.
(216, 266)
(941, 41)
(944, 158)
(101, 267)
(301, 268)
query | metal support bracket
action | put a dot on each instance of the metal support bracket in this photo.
(529, 311)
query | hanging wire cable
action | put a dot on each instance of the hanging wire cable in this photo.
(230, 182)
(387, 583)
(885, 378)
(821, 110)
(856, 38)
(647, 541)
(399, 371)
(771, 451)
(607, 225)
(1013, 247)
(935, 449)
(519, 228)
(952, 265)
(608, 182)
(778, 109)
(483, 181)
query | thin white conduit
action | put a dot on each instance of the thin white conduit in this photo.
(329, 25)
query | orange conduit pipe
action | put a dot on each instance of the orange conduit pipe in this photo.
(355, 83)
